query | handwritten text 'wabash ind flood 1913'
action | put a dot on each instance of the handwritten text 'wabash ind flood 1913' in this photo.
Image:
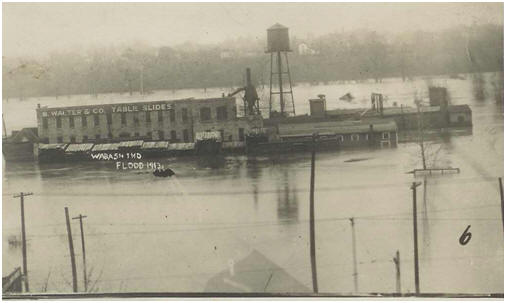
(123, 163)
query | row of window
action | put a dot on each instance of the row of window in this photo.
(125, 135)
(356, 137)
(205, 115)
(149, 135)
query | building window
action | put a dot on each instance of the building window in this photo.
(59, 139)
(172, 115)
(185, 115)
(85, 139)
(109, 135)
(149, 135)
(241, 134)
(160, 116)
(137, 135)
(123, 118)
(148, 117)
(173, 136)
(221, 113)
(205, 114)
(71, 122)
(97, 137)
(72, 139)
(386, 136)
(160, 135)
(340, 138)
(58, 122)
(136, 119)
(84, 121)
(222, 135)
(124, 135)
(96, 119)
(186, 136)
(109, 118)
(355, 137)
(45, 140)
(44, 123)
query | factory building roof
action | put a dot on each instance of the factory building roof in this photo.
(335, 127)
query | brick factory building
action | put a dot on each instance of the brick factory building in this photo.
(174, 121)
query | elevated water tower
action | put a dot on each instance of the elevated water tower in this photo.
(278, 43)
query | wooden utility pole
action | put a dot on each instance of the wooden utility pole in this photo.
(23, 237)
(397, 262)
(354, 247)
(71, 248)
(502, 201)
(311, 218)
(415, 238)
(81, 217)
(4, 128)
(420, 132)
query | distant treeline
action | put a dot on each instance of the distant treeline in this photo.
(355, 55)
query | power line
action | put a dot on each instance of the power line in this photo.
(242, 192)
(387, 216)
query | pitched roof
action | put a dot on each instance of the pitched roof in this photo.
(459, 108)
(181, 146)
(135, 143)
(105, 147)
(155, 145)
(81, 147)
(28, 134)
(255, 273)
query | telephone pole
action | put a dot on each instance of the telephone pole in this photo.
(71, 248)
(23, 237)
(397, 262)
(311, 218)
(415, 238)
(81, 217)
(502, 201)
(354, 244)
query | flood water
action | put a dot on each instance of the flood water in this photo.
(153, 234)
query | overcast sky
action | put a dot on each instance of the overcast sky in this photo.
(38, 28)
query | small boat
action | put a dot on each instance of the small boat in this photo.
(163, 172)
(347, 97)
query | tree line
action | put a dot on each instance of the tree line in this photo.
(352, 55)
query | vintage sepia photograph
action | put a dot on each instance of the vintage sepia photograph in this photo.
(253, 150)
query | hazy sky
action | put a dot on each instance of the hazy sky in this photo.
(38, 28)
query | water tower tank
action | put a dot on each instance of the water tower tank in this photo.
(277, 38)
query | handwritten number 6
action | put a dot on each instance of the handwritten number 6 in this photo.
(466, 236)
